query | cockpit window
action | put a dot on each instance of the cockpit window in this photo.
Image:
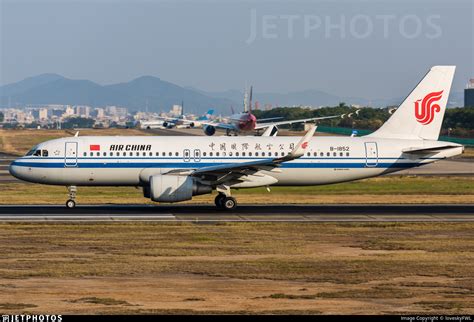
(33, 150)
(37, 152)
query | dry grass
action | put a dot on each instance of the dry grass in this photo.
(18, 142)
(238, 267)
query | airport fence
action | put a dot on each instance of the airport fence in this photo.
(348, 131)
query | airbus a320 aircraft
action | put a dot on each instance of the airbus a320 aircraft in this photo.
(173, 169)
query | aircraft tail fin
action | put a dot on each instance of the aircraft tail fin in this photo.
(421, 114)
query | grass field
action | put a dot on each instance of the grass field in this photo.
(377, 190)
(18, 142)
(239, 267)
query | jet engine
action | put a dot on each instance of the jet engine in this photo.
(174, 188)
(191, 125)
(209, 130)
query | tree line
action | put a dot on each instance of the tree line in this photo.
(457, 121)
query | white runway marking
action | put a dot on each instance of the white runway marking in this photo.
(192, 219)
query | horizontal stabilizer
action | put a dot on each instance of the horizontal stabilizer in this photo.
(429, 150)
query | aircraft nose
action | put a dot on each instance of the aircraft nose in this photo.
(13, 169)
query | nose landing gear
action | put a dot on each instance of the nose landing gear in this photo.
(71, 203)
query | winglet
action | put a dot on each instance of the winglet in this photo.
(302, 145)
(77, 134)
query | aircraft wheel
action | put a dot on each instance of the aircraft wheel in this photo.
(70, 204)
(218, 200)
(229, 203)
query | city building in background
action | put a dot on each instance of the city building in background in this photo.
(469, 94)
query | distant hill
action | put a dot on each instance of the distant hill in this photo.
(160, 95)
(144, 91)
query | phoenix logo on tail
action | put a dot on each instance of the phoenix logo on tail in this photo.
(425, 113)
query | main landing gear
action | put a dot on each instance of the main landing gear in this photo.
(224, 200)
(71, 203)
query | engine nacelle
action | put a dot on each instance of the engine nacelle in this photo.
(191, 125)
(209, 130)
(171, 188)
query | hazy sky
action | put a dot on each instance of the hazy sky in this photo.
(372, 49)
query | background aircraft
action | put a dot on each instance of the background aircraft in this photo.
(246, 122)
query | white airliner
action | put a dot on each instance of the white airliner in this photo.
(173, 169)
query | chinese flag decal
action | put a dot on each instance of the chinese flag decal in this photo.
(94, 147)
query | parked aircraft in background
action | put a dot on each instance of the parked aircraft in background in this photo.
(173, 169)
(246, 122)
(178, 122)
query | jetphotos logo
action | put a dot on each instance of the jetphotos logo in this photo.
(425, 109)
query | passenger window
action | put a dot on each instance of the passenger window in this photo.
(230, 153)
(170, 154)
(263, 154)
(315, 154)
(92, 154)
(204, 154)
(243, 154)
(85, 154)
(111, 154)
(125, 154)
(176, 154)
(334, 154)
(341, 154)
(347, 154)
(131, 154)
(211, 154)
(328, 154)
(150, 154)
(321, 154)
(117, 154)
(105, 154)
(98, 154)
(157, 154)
(309, 154)
(250, 154)
(163, 154)
(256, 154)
(217, 153)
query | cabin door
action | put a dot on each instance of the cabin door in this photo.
(70, 154)
(371, 154)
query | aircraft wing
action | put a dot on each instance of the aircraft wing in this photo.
(221, 173)
(265, 125)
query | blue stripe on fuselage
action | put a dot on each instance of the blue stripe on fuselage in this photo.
(196, 165)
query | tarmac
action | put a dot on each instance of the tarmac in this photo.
(243, 213)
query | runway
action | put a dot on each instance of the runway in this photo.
(244, 213)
